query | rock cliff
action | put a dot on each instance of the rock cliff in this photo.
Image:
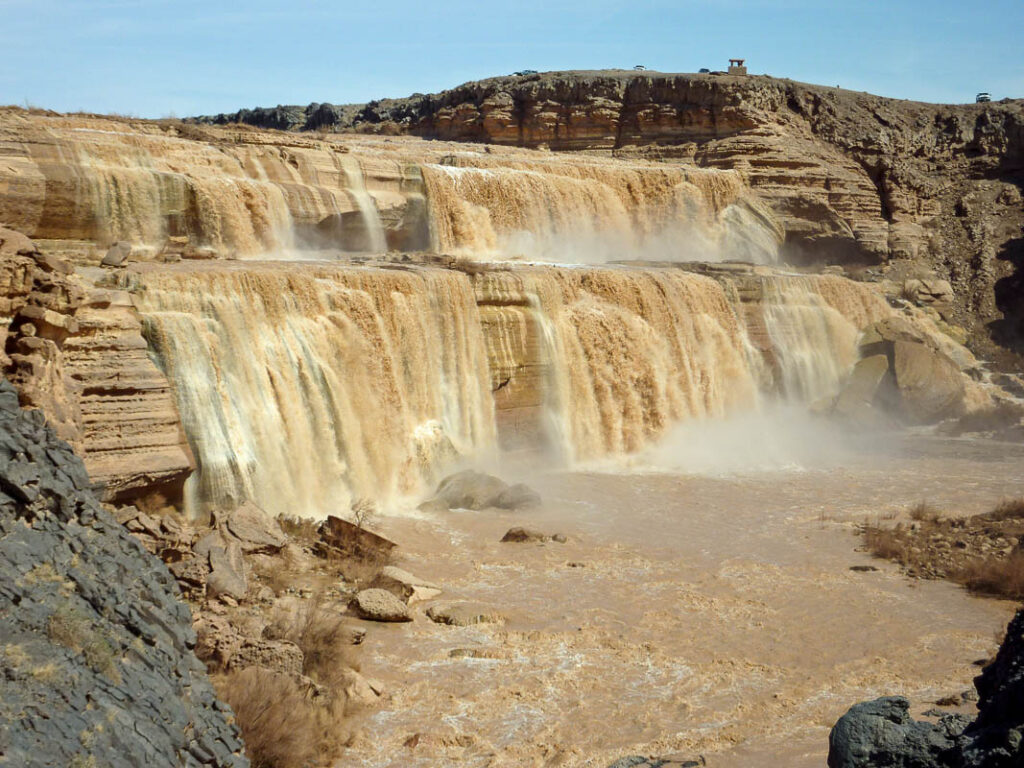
(96, 648)
(77, 352)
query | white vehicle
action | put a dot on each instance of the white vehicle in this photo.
(983, 97)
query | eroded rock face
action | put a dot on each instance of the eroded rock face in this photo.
(97, 660)
(77, 353)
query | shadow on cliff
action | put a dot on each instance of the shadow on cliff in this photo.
(1008, 332)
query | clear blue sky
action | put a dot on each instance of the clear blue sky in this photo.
(154, 58)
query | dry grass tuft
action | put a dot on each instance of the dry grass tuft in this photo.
(323, 638)
(923, 512)
(1008, 509)
(886, 543)
(281, 724)
(1002, 577)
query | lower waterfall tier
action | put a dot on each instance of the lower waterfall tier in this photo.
(306, 386)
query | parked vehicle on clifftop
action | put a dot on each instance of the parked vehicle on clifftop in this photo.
(983, 97)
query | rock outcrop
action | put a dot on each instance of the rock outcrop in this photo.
(76, 352)
(882, 733)
(97, 648)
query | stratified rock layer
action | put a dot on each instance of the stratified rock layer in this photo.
(77, 352)
(97, 661)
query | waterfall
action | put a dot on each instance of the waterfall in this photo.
(594, 211)
(368, 213)
(813, 323)
(305, 387)
(627, 351)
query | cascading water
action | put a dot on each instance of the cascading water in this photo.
(374, 230)
(628, 351)
(588, 212)
(304, 388)
(813, 323)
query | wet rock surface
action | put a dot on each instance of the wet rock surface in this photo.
(97, 648)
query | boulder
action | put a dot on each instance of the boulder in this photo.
(524, 535)
(470, 490)
(518, 496)
(277, 655)
(463, 614)
(358, 690)
(881, 734)
(476, 490)
(13, 243)
(117, 254)
(928, 291)
(227, 572)
(256, 531)
(931, 386)
(216, 640)
(994, 739)
(404, 585)
(857, 399)
(379, 605)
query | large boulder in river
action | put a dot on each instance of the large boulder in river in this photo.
(881, 733)
(905, 374)
(404, 585)
(931, 386)
(996, 738)
(475, 490)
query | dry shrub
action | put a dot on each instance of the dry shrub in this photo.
(322, 637)
(885, 543)
(1003, 577)
(281, 724)
(923, 512)
(1008, 509)
(301, 529)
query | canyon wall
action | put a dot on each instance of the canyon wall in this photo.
(97, 665)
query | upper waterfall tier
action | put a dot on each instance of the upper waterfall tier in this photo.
(202, 192)
(594, 210)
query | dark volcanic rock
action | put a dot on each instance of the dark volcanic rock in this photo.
(994, 739)
(96, 666)
(881, 734)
